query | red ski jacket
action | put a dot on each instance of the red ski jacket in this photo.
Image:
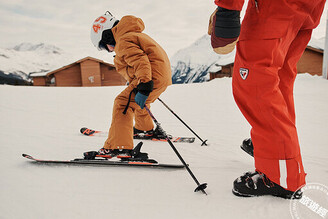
(230, 4)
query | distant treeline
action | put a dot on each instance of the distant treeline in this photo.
(12, 79)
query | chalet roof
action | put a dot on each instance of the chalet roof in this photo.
(315, 49)
(48, 73)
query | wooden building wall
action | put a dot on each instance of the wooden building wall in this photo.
(110, 77)
(86, 72)
(39, 81)
(226, 71)
(90, 73)
(69, 77)
(310, 62)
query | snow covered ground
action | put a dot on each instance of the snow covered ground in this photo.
(45, 122)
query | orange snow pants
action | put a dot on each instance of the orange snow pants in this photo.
(120, 134)
(274, 35)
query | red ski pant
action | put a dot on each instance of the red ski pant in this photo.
(270, 44)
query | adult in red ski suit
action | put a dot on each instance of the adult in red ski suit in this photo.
(273, 36)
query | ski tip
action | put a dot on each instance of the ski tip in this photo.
(27, 156)
(87, 131)
(82, 130)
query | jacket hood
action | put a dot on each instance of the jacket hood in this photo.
(128, 24)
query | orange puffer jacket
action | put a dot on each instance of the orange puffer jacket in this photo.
(139, 58)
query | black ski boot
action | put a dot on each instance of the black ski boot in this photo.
(158, 134)
(257, 184)
(139, 134)
(247, 146)
(151, 134)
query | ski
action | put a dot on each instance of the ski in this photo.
(92, 132)
(104, 162)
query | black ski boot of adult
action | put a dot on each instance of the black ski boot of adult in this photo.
(247, 146)
(257, 184)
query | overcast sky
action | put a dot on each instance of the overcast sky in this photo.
(175, 24)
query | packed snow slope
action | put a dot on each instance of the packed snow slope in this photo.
(45, 122)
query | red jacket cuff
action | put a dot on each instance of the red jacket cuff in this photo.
(236, 5)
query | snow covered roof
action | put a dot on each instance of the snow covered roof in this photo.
(48, 73)
(39, 74)
(315, 49)
(215, 68)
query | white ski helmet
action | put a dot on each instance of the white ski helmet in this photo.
(102, 23)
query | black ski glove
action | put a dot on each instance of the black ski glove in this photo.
(145, 88)
(227, 23)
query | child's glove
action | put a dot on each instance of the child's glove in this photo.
(144, 90)
(224, 28)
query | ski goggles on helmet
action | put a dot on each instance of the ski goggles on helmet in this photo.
(106, 38)
(103, 45)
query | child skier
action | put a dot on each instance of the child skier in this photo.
(145, 65)
(272, 39)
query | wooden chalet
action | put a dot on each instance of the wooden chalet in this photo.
(218, 71)
(86, 72)
(310, 62)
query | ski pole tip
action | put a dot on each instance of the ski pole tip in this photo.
(202, 188)
(204, 143)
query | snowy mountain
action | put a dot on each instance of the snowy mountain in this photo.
(41, 47)
(192, 64)
(45, 123)
(189, 65)
(18, 62)
(21, 60)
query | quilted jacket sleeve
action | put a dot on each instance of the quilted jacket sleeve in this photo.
(136, 58)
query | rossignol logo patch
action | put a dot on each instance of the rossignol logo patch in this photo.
(243, 73)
